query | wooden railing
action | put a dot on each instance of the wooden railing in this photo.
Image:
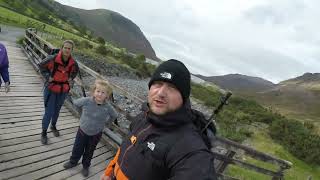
(37, 49)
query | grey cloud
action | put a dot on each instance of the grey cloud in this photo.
(279, 12)
(276, 41)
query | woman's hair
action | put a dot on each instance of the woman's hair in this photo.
(69, 42)
(104, 84)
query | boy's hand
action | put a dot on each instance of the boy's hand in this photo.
(78, 81)
(71, 82)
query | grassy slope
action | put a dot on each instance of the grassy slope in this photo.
(295, 102)
(262, 142)
(10, 17)
(31, 9)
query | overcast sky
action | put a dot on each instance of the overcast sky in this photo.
(272, 39)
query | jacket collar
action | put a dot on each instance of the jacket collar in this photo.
(177, 118)
(59, 60)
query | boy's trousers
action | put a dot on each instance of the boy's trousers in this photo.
(84, 146)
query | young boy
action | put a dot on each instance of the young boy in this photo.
(96, 110)
(4, 65)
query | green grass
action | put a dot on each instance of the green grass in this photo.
(262, 142)
(291, 105)
(13, 18)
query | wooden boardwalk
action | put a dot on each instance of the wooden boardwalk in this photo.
(22, 156)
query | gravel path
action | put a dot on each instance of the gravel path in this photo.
(11, 34)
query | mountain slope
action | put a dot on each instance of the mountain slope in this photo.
(297, 98)
(110, 25)
(113, 27)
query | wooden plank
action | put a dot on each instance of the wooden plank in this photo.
(28, 118)
(34, 131)
(18, 86)
(37, 126)
(20, 99)
(38, 78)
(30, 113)
(96, 171)
(26, 80)
(35, 158)
(26, 110)
(35, 104)
(25, 85)
(58, 172)
(20, 63)
(20, 68)
(24, 75)
(15, 85)
(17, 56)
(32, 121)
(17, 103)
(27, 114)
(22, 94)
(28, 107)
(35, 137)
(35, 150)
(3, 98)
(43, 163)
(34, 78)
(33, 144)
(19, 91)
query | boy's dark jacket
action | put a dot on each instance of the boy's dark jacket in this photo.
(146, 154)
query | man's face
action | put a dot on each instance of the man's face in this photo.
(164, 97)
(66, 50)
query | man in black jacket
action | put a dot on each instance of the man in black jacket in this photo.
(163, 143)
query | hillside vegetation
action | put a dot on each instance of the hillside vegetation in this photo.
(98, 48)
(237, 122)
(90, 24)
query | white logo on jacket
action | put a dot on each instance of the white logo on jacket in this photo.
(151, 145)
(166, 75)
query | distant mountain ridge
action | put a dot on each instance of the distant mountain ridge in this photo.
(239, 82)
(304, 79)
(296, 98)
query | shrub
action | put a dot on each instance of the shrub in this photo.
(101, 49)
(298, 139)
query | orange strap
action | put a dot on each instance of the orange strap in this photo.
(111, 165)
(119, 174)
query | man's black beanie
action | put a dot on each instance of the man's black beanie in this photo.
(175, 72)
